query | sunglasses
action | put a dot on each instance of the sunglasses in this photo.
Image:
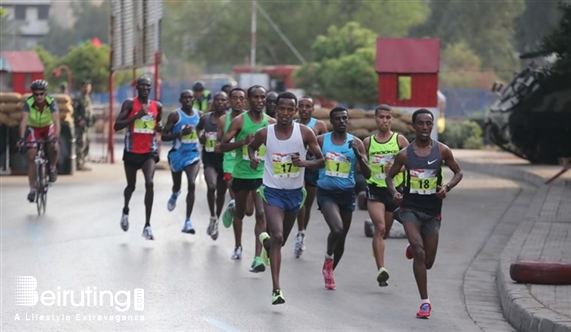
(38, 94)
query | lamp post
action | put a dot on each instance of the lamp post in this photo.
(57, 73)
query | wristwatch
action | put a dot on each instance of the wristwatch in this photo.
(447, 186)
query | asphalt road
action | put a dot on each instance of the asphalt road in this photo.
(189, 281)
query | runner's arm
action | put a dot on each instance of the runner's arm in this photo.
(310, 140)
(400, 161)
(24, 121)
(320, 127)
(159, 126)
(362, 161)
(167, 134)
(233, 130)
(448, 157)
(122, 120)
(259, 139)
(200, 129)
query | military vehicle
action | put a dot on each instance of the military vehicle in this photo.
(532, 118)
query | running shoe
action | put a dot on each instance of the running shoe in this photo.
(172, 201)
(257, 265)
(382, 277)
(237, 254)
(299, 246)
(210, 225)
(148, 233)
(125, 222)
(328, 274)
(227, 217)
(265, 257)
(187, 228)
(52, 176)
(214, 230)
(32, 196)
(424, 311)
(408, 252)
(278, 297)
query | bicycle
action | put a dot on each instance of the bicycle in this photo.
(42, 183)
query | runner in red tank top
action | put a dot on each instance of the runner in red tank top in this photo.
(142, 119)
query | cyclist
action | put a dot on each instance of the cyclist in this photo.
(40, 121)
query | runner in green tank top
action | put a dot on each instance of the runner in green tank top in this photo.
(381, 150)
(245, 181)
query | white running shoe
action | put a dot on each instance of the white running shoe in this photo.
(148, 233)
(237, 254)
(299, 246)
(125, 222)
(187, 228)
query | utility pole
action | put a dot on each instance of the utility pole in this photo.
(253, 49)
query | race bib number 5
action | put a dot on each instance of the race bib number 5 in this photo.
(423, 181)
(145, 125)
(337, 165)
(283, 167)
(210, 143)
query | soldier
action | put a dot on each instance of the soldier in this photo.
(83, 118)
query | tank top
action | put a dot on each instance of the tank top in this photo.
(189, 141)
(279, 171)
(339, 170)
(310, 124)
(242, 168)
(210, 133)
(422, 176)
(140, 136)
(229, 156)
(381, 154)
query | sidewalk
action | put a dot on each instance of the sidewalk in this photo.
(541, 231)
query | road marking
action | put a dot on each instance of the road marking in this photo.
(220, 325)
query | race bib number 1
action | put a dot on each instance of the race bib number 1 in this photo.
(210, 143)
(337, 165)
(283, 166)
(191, 138)
(378, 164)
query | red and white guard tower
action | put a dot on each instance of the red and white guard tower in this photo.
(408, 74)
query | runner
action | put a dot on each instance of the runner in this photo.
(212, 161)
(245, 180)
(336, 186)
(381, 150)
(184, 155)
(420, 204)
(282, 189)
(271, 104)
(237, 103)
(305, 109)
(141, 117)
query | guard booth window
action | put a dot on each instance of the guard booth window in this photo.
(404, 87)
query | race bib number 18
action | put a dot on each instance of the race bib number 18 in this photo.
(423, 181)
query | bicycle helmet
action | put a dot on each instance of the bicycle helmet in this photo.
(39, 85)
(198, 86)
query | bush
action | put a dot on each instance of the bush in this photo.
(464, 135)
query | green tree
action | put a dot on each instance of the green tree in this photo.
(223, 35)
(461, 67)
(557, 42)
(344, 67)
(90, 21)
(537, 20)
(487, 27)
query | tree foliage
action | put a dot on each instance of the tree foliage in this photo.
(536, 21)
(486, 27)
(461, 67)
(344, 67)
(558, 41)
(90, 21)
(218, 32)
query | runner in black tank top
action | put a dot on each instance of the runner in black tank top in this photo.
(421, 202)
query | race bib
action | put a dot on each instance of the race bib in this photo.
(423, 181)
(145, 125)
(210, 143)
(379, 163)
(337, 165)
(283, 167)
(191, 138)
(261, 153)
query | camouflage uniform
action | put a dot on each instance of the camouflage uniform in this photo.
(82, 110)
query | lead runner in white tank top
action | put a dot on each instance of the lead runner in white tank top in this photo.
(279, 172)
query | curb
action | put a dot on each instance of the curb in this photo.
(520, 309)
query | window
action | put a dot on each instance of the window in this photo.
(20, 12)
(43, 12)
(404, 87)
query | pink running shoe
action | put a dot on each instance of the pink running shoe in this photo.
(328, 274)
(424, 311)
